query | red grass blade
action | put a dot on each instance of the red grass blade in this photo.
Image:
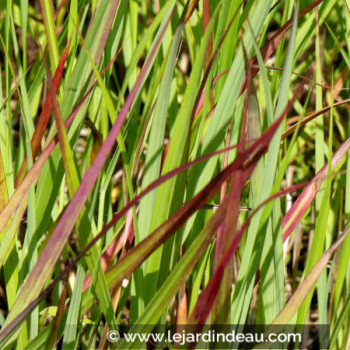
(58, 318)
(310, 117)
(44, 116)
(222, 300)
(300, 206)
(206, 20)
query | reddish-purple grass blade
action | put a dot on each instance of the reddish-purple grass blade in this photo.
(65, 147)
(300, 206)
(58, 317)
(222, 197)
(44, 116)
(222, 302)
(206, 20)
(310, 117)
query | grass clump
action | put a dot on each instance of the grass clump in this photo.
(173, 165)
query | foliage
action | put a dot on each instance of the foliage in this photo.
(172, 163)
